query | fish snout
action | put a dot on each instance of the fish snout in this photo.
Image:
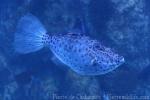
(120, 60)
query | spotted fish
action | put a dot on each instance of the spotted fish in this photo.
(79, 52)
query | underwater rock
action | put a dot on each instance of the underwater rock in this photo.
(9, 91)
(82, 86)
(3, 63)
(41, 89)
(124, 5)
(99, 13)
(142, 91)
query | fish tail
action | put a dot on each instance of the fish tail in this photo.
(29, 35)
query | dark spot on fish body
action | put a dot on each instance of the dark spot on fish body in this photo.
(92, 41)
(80, 67)
(87, 49)
(117, 61)
(107, 62)
(94, 63)
(66, 48)
(75, 40)
(82, 55)
(111, 60)
(104, 70)
(55, 47)
(70, 47)
(75, 59)
(79, 50)
(90, 47)
(102, 60)
(98, 47)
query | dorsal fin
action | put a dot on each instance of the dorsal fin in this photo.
(78, 27)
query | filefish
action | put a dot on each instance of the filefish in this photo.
(79, 52)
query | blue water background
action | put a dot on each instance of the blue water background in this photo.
(120, 24)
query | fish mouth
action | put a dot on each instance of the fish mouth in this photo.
(114, 66)
(122, 60)
(118, 63)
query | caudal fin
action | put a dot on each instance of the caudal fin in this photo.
(28, 37)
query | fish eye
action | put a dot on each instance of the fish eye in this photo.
(96, 45)
(99, 47)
